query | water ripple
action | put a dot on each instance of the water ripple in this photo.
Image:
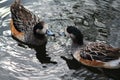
(2, 1)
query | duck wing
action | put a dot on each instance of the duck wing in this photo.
(100, 51)
(22, 18)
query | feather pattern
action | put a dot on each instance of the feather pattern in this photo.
(99, 51)
(23, 19)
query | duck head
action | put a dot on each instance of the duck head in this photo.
(75, 34)
(41, 29)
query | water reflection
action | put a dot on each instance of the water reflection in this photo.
(41, 54)
(72, 63)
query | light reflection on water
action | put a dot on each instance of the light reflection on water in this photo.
(18, 63)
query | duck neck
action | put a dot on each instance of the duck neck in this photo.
(76, 45)
(78, 42)
(38, 35)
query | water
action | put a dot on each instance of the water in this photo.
(20, 63)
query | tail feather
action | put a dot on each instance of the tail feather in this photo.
(22, 17)
(17, 1)
(15, 5)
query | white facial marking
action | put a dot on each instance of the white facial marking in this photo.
(45, 27)
(66, 33)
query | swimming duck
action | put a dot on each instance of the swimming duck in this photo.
(27, 27)
(94, 54)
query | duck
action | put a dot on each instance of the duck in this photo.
(97, 54)
(26, 27)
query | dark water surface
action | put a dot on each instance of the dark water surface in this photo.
(91, 16)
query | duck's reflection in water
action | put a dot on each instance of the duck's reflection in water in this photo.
(41, 54)
(75, 65)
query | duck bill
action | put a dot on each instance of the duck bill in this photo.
(64, 34)
(50, 33)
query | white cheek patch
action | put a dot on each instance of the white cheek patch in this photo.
(45, 27)
(66, 33)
